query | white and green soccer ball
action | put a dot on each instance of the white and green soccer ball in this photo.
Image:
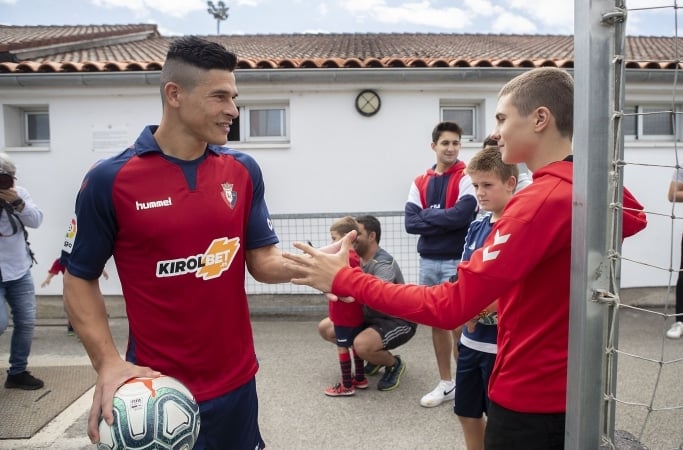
(152, 413)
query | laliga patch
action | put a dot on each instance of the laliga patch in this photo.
(70, 236)
(229, 196)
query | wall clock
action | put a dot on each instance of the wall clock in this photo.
(368, 102)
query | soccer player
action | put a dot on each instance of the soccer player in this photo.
(524, 263)
(182, 215)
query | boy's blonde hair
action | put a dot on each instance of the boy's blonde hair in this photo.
(489, 159)
(344, 225)
(546, 86)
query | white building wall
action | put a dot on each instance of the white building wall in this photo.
(338, 160)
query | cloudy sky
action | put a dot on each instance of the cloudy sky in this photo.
(183, 17)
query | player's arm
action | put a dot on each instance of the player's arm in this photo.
(458, 216)
(414, 222)
(87, 313)
(266, 265)
(675, 191)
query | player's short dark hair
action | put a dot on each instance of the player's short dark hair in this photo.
(201, 53)
(188, 57)
(441, 127)
(371, 223)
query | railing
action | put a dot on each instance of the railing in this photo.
(315, 228)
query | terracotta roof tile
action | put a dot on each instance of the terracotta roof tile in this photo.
(113, 48)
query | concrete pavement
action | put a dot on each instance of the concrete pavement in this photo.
(296, 365)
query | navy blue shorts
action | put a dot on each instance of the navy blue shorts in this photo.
(346, 335)
(472, 375)
(512, 430)
(230, 422)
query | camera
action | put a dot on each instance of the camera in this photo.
(6, 180)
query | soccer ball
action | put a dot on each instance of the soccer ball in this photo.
(152, 413)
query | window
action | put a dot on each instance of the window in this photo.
(261, 123)
(37, 127)
(26, 126)
(464, 115)
(650, 122)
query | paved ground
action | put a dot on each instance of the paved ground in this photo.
(296, 365)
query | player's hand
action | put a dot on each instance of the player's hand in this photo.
(471, 325)
(318, 267)
(333, 298)
(9, 195)
(109, 377)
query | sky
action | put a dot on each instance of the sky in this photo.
(186, 17)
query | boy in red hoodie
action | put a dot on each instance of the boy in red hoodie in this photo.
(524, 263)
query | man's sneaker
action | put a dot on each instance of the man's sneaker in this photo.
(23, 380)
(444, 391)
(372, 369)
(676, 331)
(338, 390)
(362, 384)
(392, 376)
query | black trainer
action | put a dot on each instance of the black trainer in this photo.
(23, 380)
(371, 369)
(392, 375)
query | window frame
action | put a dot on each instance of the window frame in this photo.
(475, 109)
(640, 115)
(244, 124)
(16, 127)
(28, 140)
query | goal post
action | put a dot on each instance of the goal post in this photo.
(596, 221)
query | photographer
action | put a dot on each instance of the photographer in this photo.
(17, 211)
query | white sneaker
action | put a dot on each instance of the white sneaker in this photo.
(675, 331)
(443, 392)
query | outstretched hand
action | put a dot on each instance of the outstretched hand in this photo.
(318, 267)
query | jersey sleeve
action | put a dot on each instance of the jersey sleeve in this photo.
(95, 222)
(260, 230)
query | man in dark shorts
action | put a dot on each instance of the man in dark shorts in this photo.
(382, 332)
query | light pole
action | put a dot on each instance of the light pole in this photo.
(219, 12)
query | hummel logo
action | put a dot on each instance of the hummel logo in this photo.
(497, 239)
(154, 204)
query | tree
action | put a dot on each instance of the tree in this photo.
(219, 12)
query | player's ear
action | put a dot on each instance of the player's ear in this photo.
(511, 183)
(172, 93)
(542, 116)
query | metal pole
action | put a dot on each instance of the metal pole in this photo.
(591, 224)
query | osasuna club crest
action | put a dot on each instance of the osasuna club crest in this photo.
(229, 195)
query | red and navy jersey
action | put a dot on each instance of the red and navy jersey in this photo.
(525, 263)
(178, 231)
(440, 207)
(347, 314)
